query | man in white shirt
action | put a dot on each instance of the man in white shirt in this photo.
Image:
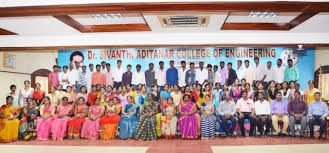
(117, 75)
(201, 74)
(182, 74)
(138, 77)
(240, 71)
(217, 76)
(63, 78)
(269, 74)
(279, 72)
(260, 70)
(249, 72)
(73, 75)
(88, 76)
(160, 76)
(103, 67)
(263, 111)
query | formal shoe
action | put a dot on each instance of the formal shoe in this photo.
(261, 134)
(293, 136)
(232, 135)
(301, 137)
(312, 137)
(320, 138)
(242, 135)
(283, 135)
(266, 134)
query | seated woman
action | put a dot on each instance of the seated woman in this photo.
(102, 96)
(169, 120)
(90, 128)
(129, 120)
(60, 119)
(47, 110)
(146, 128)
(109, 122)
(9, 124)
(208, 119)
(188, 123)
(71, 97)
(76, 122)
(27, 128)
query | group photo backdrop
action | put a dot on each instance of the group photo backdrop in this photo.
(209, 55)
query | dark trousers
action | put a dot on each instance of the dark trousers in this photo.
(116, 84)
(317, 121)
(233, 119)
(260, 124)
(247, 115)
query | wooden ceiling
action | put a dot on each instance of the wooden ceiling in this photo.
(62, 12)
(6, 32)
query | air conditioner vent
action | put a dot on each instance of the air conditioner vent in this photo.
(184, 21)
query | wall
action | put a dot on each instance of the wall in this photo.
(26, 63)
(321, 56)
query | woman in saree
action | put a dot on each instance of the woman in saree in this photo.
(90, 128)
(236, 91)
(164, 95)
(27, 127)
(208, 119)
(9, 124)
(109, 122)
(146, 128)
(188, 123)
(47, 110)
(155, 93)
(53, 96)
(38, 94)
(76, 122)
(123, 96)
(70, 96)
(250, 91)
(169, 119)
(92, 95)
(82, 93)
(129, 120)
(198, 95)
(102, 96)
(60, 119)
(217, 94)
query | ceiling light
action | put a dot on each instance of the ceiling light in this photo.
(107, 16)
(262, 14)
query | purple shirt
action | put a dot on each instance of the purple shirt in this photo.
(126, 78)
(279, 107)
(53, 79)
(224, 75)
(297, 107)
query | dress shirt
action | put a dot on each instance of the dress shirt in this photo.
(117, 74)
(224, 75)
(297, 107)
(98, 78)
(63, 76)
(318, 108)
(231, 76)
(181, 77)
(211, 76)
(88, 76)
(262, 108)
(83, 79)
(53, 79)
(172, 76)
(103, 70)
(226, 108)
(270, 75)
(240, 71)
(260, 71)
(217, 77)
(73, 77)
(160, 76)
(279, 107)
(190, 77)
(201, 76)
(108, 78)
(245, 105)
(279, 74)
(126, 78)
(138, 78)
(250, 75)
(149, 77)
(291, 74)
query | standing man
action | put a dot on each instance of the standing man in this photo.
(263, 114)
(279, 72)
(138, 77)
(182, 74)
(160, 76)
(64, 78)
(317, 114)
(210, 74)
(226, 111)
(249, 73)
(172, 74)
(73, 75)
(83, 77)
(190, 75)
(246, 110)
(108, 75)
(240, 71)
(150, 77)
(53, 77)
(127, 76)
(297, 110)
(117, 75)
(98, 77)
(279, 111)
(270, 73)
(201, 75)
(217, 76)
(89, 74)
(223, 74)
(291, 73)
(260, 71)
(231, 74)
(103, 69)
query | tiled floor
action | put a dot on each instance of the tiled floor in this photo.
(217, 145)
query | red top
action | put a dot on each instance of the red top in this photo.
(91, 98)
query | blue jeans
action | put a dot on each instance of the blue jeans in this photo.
(135, 87)
(160, 88)
(148, 89)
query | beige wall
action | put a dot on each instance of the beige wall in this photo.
(321, 57)
(26, 62)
